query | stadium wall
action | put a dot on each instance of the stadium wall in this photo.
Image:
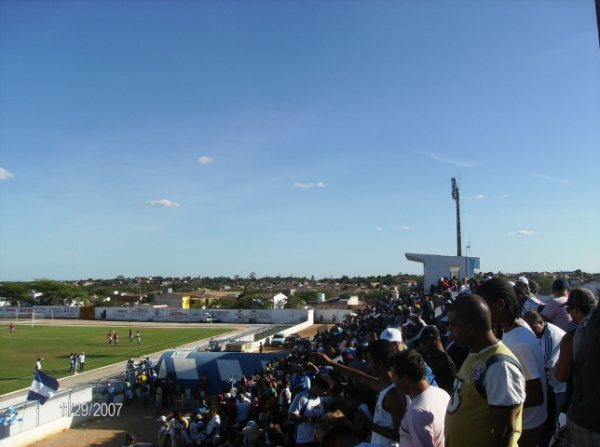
(40, 421)
(263, 316)
(44, 311)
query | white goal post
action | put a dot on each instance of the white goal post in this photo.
(23, 317)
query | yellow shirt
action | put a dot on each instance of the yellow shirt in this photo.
(468, 421)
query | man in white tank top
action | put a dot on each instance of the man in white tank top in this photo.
(390, 406)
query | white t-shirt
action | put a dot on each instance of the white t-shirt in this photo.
(556, 313)
(550, 344)
(525, 346)
(423, 422)
(305, 405)
(212, 429)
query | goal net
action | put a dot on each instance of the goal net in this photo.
(24, 316)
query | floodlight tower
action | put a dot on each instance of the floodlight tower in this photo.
(456, 197)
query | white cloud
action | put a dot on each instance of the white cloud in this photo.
(205, 160)
(477, 197)
(450, 161)
(521, 233)
(562, 181)
(310, 185)
(5, 175)
(164, 203)
(404, 227)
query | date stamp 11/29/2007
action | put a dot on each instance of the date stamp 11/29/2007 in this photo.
(91, 409)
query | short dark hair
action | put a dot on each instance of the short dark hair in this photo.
(409, 363)
(381, 350)
(497, 289)
(340, 433)
(323, 381)
(533, 286)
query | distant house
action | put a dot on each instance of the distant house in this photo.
(189, 300)
(126, 298)
(340, 303)
(279, 301)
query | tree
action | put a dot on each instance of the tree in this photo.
(15, 292)
(294, 302)
(56, 292)
(246, 302)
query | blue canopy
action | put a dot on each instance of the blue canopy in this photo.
(187, 367)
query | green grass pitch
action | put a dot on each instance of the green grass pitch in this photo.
(55, 344)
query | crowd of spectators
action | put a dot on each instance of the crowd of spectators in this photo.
(474, 363)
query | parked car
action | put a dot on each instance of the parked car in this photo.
(278, 340)
(205, 317)
(290, 341)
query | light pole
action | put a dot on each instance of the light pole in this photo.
(456, 198)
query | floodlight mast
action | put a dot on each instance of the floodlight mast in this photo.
(456, 197)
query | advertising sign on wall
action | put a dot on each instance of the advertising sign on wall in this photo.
(245, 316)
(39, 311)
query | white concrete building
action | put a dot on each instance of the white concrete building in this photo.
(436, 266)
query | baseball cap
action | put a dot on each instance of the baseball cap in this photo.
(391, 334)
(162, 419)
(581, 297)
(523, 280)
(427, 333)
(560, 284)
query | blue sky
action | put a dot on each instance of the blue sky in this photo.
(306, 138)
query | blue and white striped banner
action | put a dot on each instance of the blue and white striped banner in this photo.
(42, 388)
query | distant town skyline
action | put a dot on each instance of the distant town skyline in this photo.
(218, 138)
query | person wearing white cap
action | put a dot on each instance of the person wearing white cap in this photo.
(523, 280)
(394, 336)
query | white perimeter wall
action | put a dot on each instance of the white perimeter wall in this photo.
(40, 421)
(46, 311)
(264, 316)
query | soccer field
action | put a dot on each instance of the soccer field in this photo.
(18, 352)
